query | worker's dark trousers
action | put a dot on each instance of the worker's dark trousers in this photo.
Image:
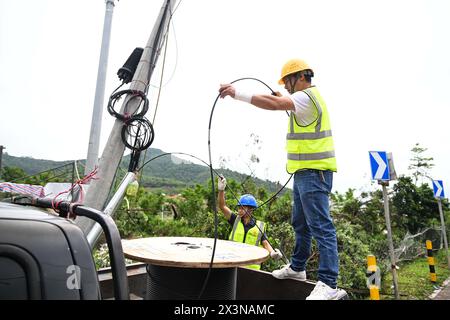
(311, 218)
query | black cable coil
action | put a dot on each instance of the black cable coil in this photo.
(137, 133)
(141, 110)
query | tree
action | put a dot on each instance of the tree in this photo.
(414, 208)
(420, 165)
(152, 202)
(13, 173)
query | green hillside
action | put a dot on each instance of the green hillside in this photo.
(31, 165)
(167, 173)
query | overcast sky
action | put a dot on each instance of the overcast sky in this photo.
(382, 66)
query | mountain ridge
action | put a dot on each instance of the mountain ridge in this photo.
(167, 173)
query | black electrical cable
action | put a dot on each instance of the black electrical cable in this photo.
(231, 191)
(209, 147)
(140, 130)
(216, 172)
(212, 176)
(164, 286)
(137, 131)
(212, 179)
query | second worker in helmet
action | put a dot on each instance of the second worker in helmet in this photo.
(245, 228)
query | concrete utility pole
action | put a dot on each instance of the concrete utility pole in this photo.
(98, 192)
(96, 123)
(1, 156)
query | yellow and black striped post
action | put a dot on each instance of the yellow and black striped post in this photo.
(431, 261)
(373, 278)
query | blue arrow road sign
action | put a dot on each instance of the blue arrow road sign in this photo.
(379, 165)
(438, 189)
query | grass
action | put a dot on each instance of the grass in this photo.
(414, 279)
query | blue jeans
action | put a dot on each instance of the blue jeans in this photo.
(311, 218)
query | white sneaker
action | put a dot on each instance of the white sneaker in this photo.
(287, 273)
(323, 292)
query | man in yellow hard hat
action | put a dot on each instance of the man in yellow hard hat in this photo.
(311, 158)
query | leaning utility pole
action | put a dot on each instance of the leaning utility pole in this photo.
(98, 192)
(1, 156)
(96, 123)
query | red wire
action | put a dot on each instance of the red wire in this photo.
(79, 183)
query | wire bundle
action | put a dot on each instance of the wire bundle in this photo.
(137, 131)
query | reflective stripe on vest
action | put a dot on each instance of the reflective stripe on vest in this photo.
(311, 156)
(238, 233)
(309, 135)
(311, 146)
(235, 226)
(254, 235)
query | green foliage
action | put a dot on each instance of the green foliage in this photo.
(101, 257)
(151, 202)
(361, 226)
(12, 173)
(415, 207)
(277, 215)
(353, 252)
(420, 164)
(30, 165)
(414, 278)
(63, 173)
(194, 205)
(359, 220)
(175, 200)
(167, 174)
(364, 213)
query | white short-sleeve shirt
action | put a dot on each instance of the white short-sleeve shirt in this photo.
(305, 110)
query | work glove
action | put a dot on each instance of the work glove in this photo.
(276, 254)
(221, 183)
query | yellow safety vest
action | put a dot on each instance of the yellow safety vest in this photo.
(311, 146)
(253, 235)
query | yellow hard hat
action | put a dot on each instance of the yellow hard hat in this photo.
(293, 66)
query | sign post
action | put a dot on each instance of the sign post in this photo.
(438, 189)
(383, 170)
